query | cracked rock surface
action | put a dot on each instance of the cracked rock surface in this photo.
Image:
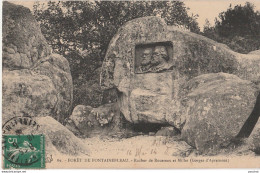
(35, 81)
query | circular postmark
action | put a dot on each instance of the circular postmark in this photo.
(20, 125)
(22, 145)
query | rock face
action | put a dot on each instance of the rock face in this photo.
(35, 81)
(151, 93)
(254, 139)
(216, 107)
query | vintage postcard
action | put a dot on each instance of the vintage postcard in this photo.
(130, 84)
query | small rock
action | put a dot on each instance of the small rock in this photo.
(80, 114)
(105, 120)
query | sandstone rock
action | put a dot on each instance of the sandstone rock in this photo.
(61, 138)
(21, 35)
(27, 93)
(254, 139)
(248, 68)
(167, 131)
(154, 96)
(102, 121)
(151, 100)
(80, 114)
(35, 82)
(70, 125)
(217, 106)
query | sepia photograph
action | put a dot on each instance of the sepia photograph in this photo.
(130, 84)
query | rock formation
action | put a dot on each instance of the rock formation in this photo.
(58, 138)
(36, 82)
(216, 108)
(105, 120)
(181, 89)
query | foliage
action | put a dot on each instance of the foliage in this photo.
(238, 27)
(81, 32)
(79, 25)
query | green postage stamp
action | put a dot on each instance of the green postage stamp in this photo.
(24, 151)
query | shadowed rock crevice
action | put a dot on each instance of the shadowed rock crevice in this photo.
(146, 128)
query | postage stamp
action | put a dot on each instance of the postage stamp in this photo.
(24, 151)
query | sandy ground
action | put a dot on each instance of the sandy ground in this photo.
(150, 152)
(139, 146)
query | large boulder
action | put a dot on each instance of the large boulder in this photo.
(23, 43)
(63, 140)
(216, 107)
(35, 81)
(148, 61)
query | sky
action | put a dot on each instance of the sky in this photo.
(209, 9)
(206, 9)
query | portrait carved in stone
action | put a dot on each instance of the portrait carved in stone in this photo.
(152, 57)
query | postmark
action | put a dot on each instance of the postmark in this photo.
(20, 125)
(23, 145)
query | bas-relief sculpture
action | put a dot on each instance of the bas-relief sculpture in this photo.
(154, 58)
